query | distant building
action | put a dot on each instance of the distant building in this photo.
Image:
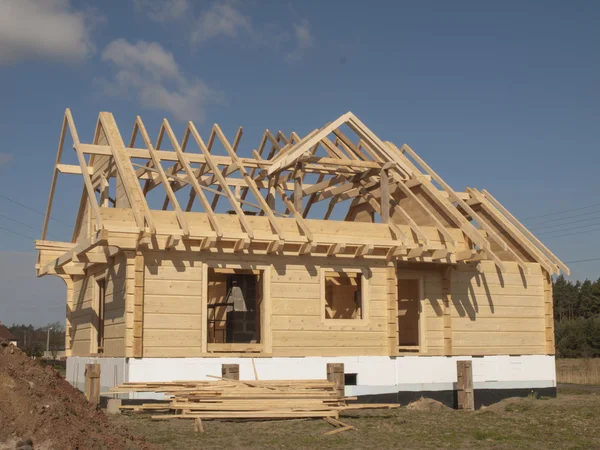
(6, 334)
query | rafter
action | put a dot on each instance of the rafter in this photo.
(191, 129)
(212, 217)
(423, 218)
(139, 126)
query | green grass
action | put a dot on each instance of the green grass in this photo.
(569, 421)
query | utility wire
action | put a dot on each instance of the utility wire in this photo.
(582, 260)
(568, 229)
(561, 212)
(20, 223)
(543, 222)
(571, 234)
(34, 210)
(25, 225)
(18, 234)
(563, 224)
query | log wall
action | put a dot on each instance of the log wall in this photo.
(486, 312)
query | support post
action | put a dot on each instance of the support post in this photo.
(230, 371)
(92, 383)
(464, 371)
(335, 373)
(114, 406)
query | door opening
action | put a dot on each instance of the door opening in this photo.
(408, 312)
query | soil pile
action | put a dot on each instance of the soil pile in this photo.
(37, 405)
(428, 405)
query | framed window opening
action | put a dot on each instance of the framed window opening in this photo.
(236, 312)
(344, 296)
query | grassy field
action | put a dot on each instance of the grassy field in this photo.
(578, 371)
(567, 422)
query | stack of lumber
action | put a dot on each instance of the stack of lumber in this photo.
(233, 399)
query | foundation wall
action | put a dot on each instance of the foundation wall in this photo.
(378, 378)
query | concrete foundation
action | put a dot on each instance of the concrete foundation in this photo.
(377, 377)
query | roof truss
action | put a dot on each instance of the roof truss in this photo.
(342, 165)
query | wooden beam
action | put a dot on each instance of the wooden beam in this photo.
(385, 196)
(295, 213)
(212, 217)
(139, 126)
(467, 227)
(298, 175)
(133, 190)
(215, 170)
(525, 231)
(236, 142)
(375, 143)
(86, 176)
(250, 182)
(61, 142)
(302, 146)
(512, 232)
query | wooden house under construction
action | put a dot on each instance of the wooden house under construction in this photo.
(332, 247)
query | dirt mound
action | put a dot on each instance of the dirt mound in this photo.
(428, 405)
(37, 404)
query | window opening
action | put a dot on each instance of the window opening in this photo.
(234, 307)
(343, 295)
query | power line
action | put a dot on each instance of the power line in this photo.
(18, 234)
(568, 229)
(571, 234)
(582, 260)
(563, 224)
(20, 223)
(561, 212)
(542, 222)
(34, 210)
(25, 225)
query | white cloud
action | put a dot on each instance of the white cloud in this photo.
(5, 158)
(162, 10)
(148, 72)
(304, 40)
(221, 19)
(48, 29)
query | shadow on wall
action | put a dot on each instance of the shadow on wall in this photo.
(466, 300)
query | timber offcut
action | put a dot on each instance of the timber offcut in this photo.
(336, 247)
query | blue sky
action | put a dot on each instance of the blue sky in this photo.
(497, 95)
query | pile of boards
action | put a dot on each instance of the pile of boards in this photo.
(233, 399)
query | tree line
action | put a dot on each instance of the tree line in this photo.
(33, 340)
(577, 318)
